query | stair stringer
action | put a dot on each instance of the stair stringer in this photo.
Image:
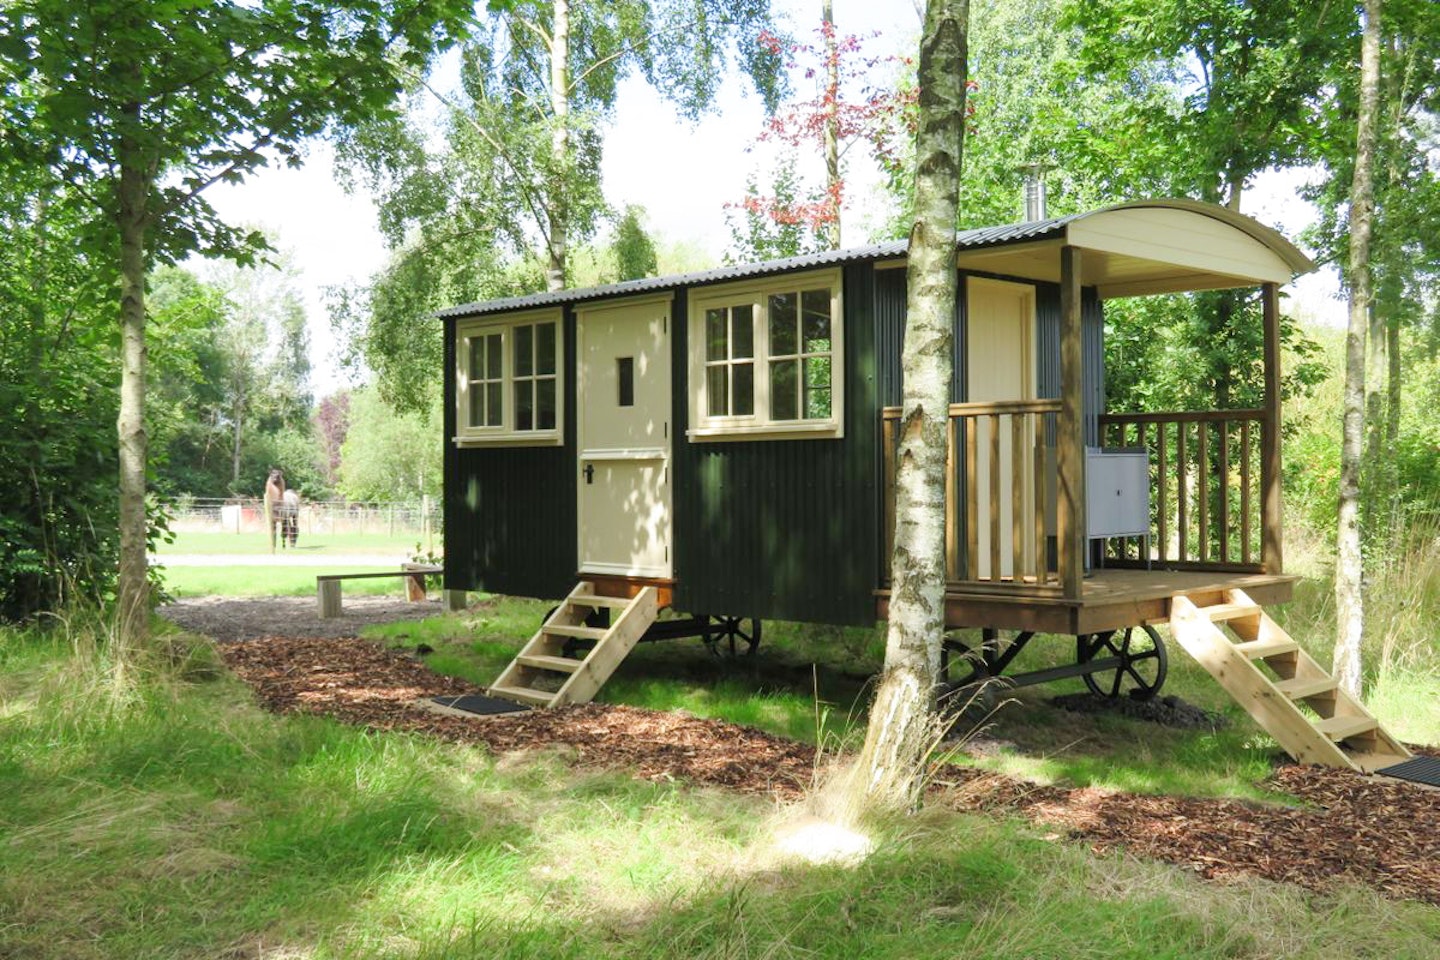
(1250, 688)
(1277, 712)
(542, 653)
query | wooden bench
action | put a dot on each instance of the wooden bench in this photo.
(327, 585)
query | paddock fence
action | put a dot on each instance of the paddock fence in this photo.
(239, 515)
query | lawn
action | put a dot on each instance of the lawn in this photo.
(172, 819)
(308, 545)
(275, 581)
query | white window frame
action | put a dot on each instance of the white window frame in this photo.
(506, 434)
(758, 425)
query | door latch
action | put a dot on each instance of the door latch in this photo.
(589, 473)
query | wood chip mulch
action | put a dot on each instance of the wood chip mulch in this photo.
(1368, 830)
(361, 683)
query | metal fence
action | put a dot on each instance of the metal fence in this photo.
(247, 515)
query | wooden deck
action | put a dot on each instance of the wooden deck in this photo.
(1111, 599)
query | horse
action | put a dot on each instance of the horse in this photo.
(274, 502)
(290, 517)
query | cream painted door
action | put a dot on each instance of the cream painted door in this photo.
(623, 397)
(1000, 365)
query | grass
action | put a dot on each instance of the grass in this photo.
(179, 821)
(273, 581)
(309, 544)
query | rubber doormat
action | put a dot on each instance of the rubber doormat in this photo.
(475, 703)
(1424, 770)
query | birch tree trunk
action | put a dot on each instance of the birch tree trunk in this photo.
(891, 763)
(132, 615)
(559, 233)
(1349, 564)
(832, 122)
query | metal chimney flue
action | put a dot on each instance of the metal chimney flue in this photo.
(1035, 191)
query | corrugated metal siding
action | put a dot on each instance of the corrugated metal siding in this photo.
(785, 529)
(1092, 357)
(510, 515)
(890, 298)
(1092, 351)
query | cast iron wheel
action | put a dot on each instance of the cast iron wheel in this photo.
(960, 666)
(733, 636)
(1143, 662)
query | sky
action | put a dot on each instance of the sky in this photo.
(682, 173)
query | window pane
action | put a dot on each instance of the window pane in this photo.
(493, 357)
(744, 404)
(476, 348)
(493, 406)
(544, 348)
(525, 405)
(742, 332)
(817, 388)
(785, 390)
(783, 339)
(546, 414)
(815, 306)
(625, 373)
(817, 404)
(718, 382)
(477, 406)
(524, 351)
(817, 372)
(715, 346)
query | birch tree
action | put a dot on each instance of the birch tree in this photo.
(891, 762)
(1349, 565)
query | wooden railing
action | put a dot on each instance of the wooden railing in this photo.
(999, 494)
(1206, 488)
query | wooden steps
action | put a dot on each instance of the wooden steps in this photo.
(541, 676)
(1336, 731)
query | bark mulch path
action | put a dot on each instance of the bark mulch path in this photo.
(1381, 833)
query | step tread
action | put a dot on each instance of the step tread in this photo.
(547, 662)
(1220, 612)
(1261, 649)
(611, 603)
(1298, 689)
(1338, 728)
(539, 698)
(580, 633)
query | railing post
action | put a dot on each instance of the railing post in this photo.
(1070, 437)
(1271, 552)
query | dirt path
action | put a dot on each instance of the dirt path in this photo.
(228, 619)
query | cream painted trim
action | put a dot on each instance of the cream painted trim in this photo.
(896, 263)
(506, 435)
(624, 570)
(759, 427)
(639, 300)
(546, 438)
(785, 430)
(646, 453)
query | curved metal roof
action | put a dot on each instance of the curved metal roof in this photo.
(979, 238)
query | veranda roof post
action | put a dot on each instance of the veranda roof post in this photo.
(1070, 438)
(1271, 554)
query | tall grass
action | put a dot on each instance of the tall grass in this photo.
(182, 822)
(1401, 649)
